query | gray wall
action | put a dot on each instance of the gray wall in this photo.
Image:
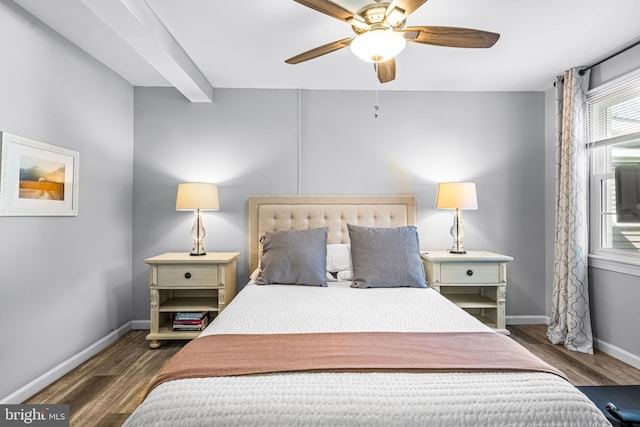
(249, 142)
(65, 281)
(550, 191)
(615, 67)
(614, 307)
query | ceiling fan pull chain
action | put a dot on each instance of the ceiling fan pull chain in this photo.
(376, 107)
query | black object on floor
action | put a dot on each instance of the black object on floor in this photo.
(624, 397)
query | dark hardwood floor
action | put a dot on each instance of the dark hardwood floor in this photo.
(106, 389)
(581, 369)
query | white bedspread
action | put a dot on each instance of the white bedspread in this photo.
(360, 399)
(339, 308)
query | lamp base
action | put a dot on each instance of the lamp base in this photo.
(457, 232)
(198, 233)
(451, 251)
(198, 246)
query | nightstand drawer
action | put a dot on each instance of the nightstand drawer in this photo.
(459, 272)
(188, 275)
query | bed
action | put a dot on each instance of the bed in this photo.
(353, 349)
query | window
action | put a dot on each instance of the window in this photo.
(613, 133)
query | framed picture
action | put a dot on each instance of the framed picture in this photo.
(37, 179)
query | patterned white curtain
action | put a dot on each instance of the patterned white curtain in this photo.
(570, 318)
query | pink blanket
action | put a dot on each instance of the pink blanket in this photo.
(246, 354)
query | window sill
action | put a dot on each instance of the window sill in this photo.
(625, 266)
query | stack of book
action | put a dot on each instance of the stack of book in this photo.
(190, 320)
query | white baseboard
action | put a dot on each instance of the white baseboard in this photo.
(527, 320)
(28, 390)
(617, 352)
(137, 325)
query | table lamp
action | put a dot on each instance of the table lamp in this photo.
(459, 196)
(197, 197)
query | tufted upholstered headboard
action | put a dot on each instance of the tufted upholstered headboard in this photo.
(276, 213)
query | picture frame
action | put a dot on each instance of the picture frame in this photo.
(37, 179)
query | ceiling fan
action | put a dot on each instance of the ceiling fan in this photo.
(381, 33)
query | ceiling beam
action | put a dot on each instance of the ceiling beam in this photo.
(135, 22)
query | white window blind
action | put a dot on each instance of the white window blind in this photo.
(613, 112)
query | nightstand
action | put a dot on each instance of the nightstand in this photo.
(475, 281)
(179, 282)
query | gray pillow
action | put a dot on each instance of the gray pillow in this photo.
(294, 257)
(386, 257)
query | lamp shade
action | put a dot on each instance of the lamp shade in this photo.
(457, 195)
(378, 45)
(197, 195)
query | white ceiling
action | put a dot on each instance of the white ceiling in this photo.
(198, 44)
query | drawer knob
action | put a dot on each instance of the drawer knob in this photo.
(187, 275)
(469, 272)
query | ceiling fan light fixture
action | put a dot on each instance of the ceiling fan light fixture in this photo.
(378, 45)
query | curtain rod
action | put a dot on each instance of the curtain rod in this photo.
(613, 55)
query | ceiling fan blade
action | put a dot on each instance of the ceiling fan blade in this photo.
(328, 8)
(409, 6)
(453, 37)
(386, 70)
(319, 51)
